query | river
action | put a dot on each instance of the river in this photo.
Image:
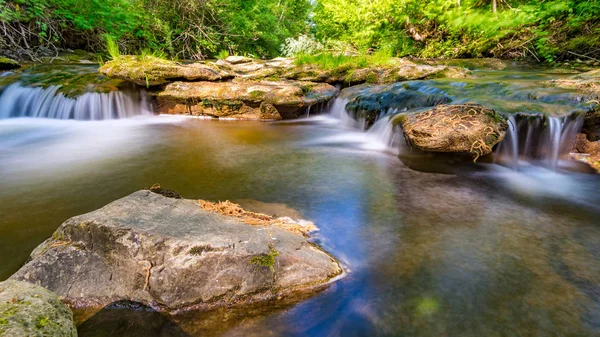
(484, 251)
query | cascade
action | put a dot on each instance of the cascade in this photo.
(380, 136)
(19, 101)
(537, 140)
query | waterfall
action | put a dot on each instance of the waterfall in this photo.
(537, 140)
(18, 101)
(338, 111)
(382, 132)
(380, 136)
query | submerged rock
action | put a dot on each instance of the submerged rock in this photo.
(368, 102)
(30, 310)
(70, 80)
(264, 100)
(588, 82)
(8, 64)
(152, 71)
(171, 254)
(461, 128)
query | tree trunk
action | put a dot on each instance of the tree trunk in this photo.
(494, 6)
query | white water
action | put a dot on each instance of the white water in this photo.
(379, 137)
(37, 149)
(17, 101)
(528, 142)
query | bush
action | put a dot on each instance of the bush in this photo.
(302, 44)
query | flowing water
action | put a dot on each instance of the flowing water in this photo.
(493, 250)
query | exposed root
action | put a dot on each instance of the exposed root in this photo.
(60, 243)
(458, 118)
(478, 148)
(147, 268)
(228, 208)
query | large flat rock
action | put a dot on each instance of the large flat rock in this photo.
(244, 99)
(153, 71)
(172, 254)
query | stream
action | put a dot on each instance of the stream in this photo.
(488, 250)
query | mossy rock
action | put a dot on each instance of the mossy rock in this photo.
(263, 100)
(152, 71)
(30, 310)
(72, 80)
(8, 64)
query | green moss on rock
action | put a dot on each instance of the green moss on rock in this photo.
(30, 310)
(8, 64)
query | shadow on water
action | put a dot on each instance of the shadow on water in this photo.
(128, 319)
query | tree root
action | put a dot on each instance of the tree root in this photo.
(147, 269)
(478, 148)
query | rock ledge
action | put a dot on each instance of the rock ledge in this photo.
(171, 254)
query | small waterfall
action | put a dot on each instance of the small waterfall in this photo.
(380, 136)
(508, 150)
(537, 140)
(18, 101)
(382, 132)
(338, 111)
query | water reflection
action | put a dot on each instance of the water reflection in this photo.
(429, 254)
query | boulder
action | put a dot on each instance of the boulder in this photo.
(152, 71)
(259, 100)
(8, 64)
(461, 128)
(174, 254)
(30, 310)
(368, 101)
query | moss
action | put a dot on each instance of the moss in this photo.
(371, 77)
(42, 321)
(6, 63)
(266, 260)
(399, 119)
(198, 250)
(257, 95)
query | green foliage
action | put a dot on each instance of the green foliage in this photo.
(329, 61)
(112, 47)
(266, 260)
(543, 30)
(223, 54)
(180, 28)
(547, 30)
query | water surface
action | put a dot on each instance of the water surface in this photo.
(487, 251)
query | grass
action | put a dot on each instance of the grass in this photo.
(328, 61)
(223, 54)
(112, 47)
